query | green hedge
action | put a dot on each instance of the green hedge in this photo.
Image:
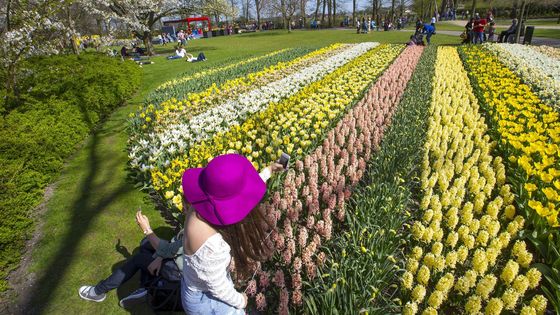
(64, 98)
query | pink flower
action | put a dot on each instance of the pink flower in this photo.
(283, 204)
(287, 257)
(321, 257)
(297, 297)
(296, 281)
(261, 302)
(264, 281)
(302, 237)
(279, 278)
(251, 288)
(299, 166)
(284, 300)
(311, 271)
(288, 231)
(280, 242)
(291, 246)
(310, 222)
(297, 264)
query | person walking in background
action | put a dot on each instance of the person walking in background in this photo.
(222, 222)
(419, 26)
(478, 29)
(357, 26)
(491, 31)
(469, 32)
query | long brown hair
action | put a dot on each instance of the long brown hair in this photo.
(247, 240)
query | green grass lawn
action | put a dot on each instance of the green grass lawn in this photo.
(89, 227)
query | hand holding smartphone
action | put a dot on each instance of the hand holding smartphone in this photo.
(284, 160)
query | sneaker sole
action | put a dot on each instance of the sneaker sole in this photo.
(88, 299)
(133, 300)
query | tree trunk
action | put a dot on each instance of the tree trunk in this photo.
(443, 7)
(284, 17)
(354, 13)
(422, 10)
(258, 11)
(323, 16)
(303, 15)
(148, 43)
(334, 12)
(8, 5)
(392, 10)
(317, 9)
(520, 21)
(473, 8)
(330, 12)
(289, 20)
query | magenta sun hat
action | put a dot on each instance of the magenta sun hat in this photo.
(225, 191)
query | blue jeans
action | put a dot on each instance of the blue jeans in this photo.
(174, 57)
(478, 37)
(202, 303)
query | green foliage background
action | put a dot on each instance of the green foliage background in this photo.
(61, 100)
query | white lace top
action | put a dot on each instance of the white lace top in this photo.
(206, 270)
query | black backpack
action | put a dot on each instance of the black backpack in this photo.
(164, 291)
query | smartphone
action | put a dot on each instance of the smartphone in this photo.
(284, 159)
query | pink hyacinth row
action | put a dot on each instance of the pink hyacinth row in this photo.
(317, 188)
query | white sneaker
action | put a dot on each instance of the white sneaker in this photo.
(87, 292)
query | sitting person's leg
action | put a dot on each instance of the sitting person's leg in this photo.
(140, 261)
(201, 57)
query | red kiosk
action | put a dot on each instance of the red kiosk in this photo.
(180, 24)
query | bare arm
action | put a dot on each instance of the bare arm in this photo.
(144, 224)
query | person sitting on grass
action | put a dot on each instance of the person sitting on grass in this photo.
(191, 58)
(180, 53)
(154, 256)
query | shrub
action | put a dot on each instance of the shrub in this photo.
(64, 97)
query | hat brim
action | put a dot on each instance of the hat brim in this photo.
(230, 210)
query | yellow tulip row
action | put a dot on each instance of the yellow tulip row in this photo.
(195, 103)
(468, 221)
(527, 126)
(294, 125)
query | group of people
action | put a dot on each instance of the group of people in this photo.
(365, 25)
(222, 223)
(479, 30)
(181, 53)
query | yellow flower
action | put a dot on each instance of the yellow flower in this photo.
(436, 298)
(418, 293)
(473, 305)
(169, 194)
(407, 280)
(539, 303)
(510, 271)
(510, 298)
(486, 286)
(494, 307)
(410, 308)
(534, 277)
(423, 275)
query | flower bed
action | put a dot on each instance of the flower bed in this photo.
(539, 71)
(528, 132)
(316, 190)
(294, 125)
(169, 138)
(549, 51)
(466, 255)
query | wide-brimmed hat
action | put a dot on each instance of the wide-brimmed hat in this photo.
(224, 191)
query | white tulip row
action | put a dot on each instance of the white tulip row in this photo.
(538, 70)
(158, 147)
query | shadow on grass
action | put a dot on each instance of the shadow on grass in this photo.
(84, 210)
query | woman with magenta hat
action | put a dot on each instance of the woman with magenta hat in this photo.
(221, 222)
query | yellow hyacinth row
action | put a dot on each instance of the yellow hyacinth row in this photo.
(466, 258)
(195, 103)
(530, 128)
(294, 125)
(204, 73)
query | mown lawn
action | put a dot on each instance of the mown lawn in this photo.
(89, 227)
